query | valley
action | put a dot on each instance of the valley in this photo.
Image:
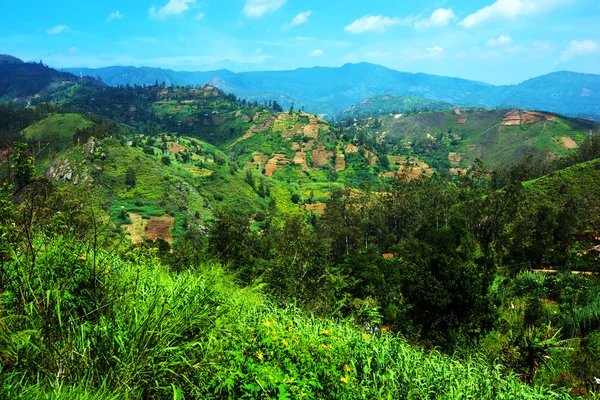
(185, 242)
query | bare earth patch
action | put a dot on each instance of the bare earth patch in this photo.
(350, 148)
(568, 143)
(277, 162)
(174, 148)
(316, 208)
(455, 158)
(153, 229)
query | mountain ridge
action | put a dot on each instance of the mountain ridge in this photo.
(330, 90)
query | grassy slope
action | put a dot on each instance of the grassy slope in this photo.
(57, 127)
(483, 136)
(580, 181)
(197, 334)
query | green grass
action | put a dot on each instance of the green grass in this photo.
(196, 334)
(57, 127)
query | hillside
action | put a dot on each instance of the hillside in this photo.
(498, 137)
(19, 80)
(332, 90)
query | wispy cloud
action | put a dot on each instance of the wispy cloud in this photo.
(502, 40)
(200, 16)
(258, 8)
(579, 48)
(173, 7)
(435, 50)
(299, 19)
(440, 17)
(372, 23)
(114, 15)
(316, 53)
(509, 9)
(57, 30)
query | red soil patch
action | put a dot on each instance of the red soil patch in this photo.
(175, 148)
(152, 229)
(461, 121)
(513, 118)
(457, 112)
(276, 163)
(319, 156)
(160, 228)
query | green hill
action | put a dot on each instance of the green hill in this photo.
(57, 127)
(454, 139)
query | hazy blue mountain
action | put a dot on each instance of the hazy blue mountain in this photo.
(332, 90)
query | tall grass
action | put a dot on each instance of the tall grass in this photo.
(581, 320)
(157, 334)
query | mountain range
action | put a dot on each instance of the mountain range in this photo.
(326, 90)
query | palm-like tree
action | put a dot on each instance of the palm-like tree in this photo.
(536, 346)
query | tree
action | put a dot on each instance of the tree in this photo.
(277, 107)
(166, 160)
(249, 178)
(291, 109)
(130, 179)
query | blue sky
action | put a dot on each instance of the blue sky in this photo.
(496, 41)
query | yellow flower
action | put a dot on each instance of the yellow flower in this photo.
(250, 329)
(323, 346)
(345, 379)
(259, 355)
(268, 323)
(365, 336)
(84, 257)
(325, 331)
(346, 368)
(284, 342)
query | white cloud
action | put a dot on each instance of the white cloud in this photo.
(299, 19)
(440, 17)
(57, 30)
(200, 16)
(502, 40)
(257, 8)
(579, 48)
(173, 7)
(114, 15)
(435, 51)
(316, 53)
(509, 9)
(72, 50)
(374, 23)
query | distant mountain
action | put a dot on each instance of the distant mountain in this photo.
(332, 90)
(394, 104)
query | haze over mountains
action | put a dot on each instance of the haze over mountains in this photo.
(326, 90)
